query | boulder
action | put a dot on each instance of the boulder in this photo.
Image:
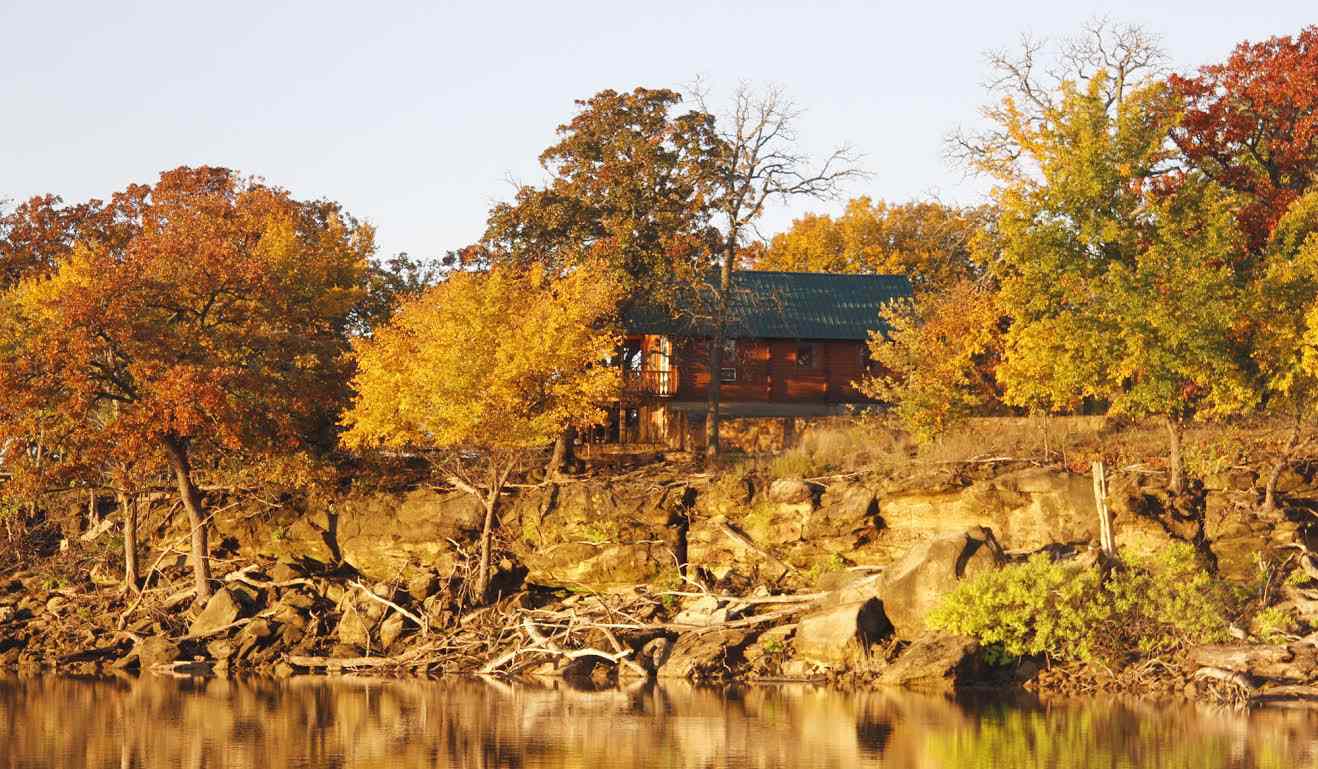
(390, 630)
(353, 629)
(224, 608)
(601, 534)
(155, 650)
(380, 534)
(913, 586)
(1028, 509)
(936, 663)
(841, 633)
(790, 491)
(704, 655)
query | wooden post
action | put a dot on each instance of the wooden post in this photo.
(1107, 542)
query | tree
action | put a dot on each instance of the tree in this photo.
(927, 241)
(217, 323)
(935, 363)
(1116, 290)
(488, 368)
(754, 160)
(1284, 306)
(1251, 124)
(623, 191)
(389, 283)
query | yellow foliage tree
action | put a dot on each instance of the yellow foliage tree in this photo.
(490, 368)
(936, 360)
(1284, 308)
(926, 240)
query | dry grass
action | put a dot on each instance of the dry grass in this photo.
(872, 444)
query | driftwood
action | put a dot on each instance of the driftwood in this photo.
(230, 626)
(418, 621)
(542, 644)
(348, 662)
(1288, 697)
(748, 543)
(1227, 676)
(1289, 663)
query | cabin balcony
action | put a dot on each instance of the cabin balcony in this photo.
(649, 383)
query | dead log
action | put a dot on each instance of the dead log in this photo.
(1227, 676)
(347, 662)
(1292, 663)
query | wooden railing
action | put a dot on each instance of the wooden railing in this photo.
(652, 383)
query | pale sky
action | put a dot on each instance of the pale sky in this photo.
(415, 115)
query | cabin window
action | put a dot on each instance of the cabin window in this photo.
(730, 351)
(805, 356)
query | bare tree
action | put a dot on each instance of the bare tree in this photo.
(756, 160)
(1027, 81)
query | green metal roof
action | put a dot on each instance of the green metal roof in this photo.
(782, 305)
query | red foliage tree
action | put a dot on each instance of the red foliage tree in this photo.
(1251, 124)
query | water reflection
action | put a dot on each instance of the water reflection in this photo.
(314, 722)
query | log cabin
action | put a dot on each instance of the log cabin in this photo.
(796, 343)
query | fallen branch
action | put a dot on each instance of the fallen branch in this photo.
(752, 600)
(347, 662)
(421, 623)
(230, 626)
(745, 541)
(1228, 676)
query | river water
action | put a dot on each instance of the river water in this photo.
(318, 722)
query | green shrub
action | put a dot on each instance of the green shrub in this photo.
(1275, 625)
(1149, 606)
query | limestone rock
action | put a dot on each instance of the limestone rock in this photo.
(841, 633)
(790, 491)
(390, 630)
(704, 655)
(1027, 509)
(912, 587)
(655, 653)
(935, 663)
(225, 606)
(353, 630)
(155, 650)
(606, 533)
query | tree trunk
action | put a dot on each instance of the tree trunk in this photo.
(1284, 461)
(712, 401)
(487, 534)
(191, 498)
(1174, 428)
(712, 416)
(563, 453)
(128, 508)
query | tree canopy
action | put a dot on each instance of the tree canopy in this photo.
(1250, 123)
(487, 366)
(214, 320)
(931, 243)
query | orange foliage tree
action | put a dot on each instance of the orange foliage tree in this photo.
(208, 317)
